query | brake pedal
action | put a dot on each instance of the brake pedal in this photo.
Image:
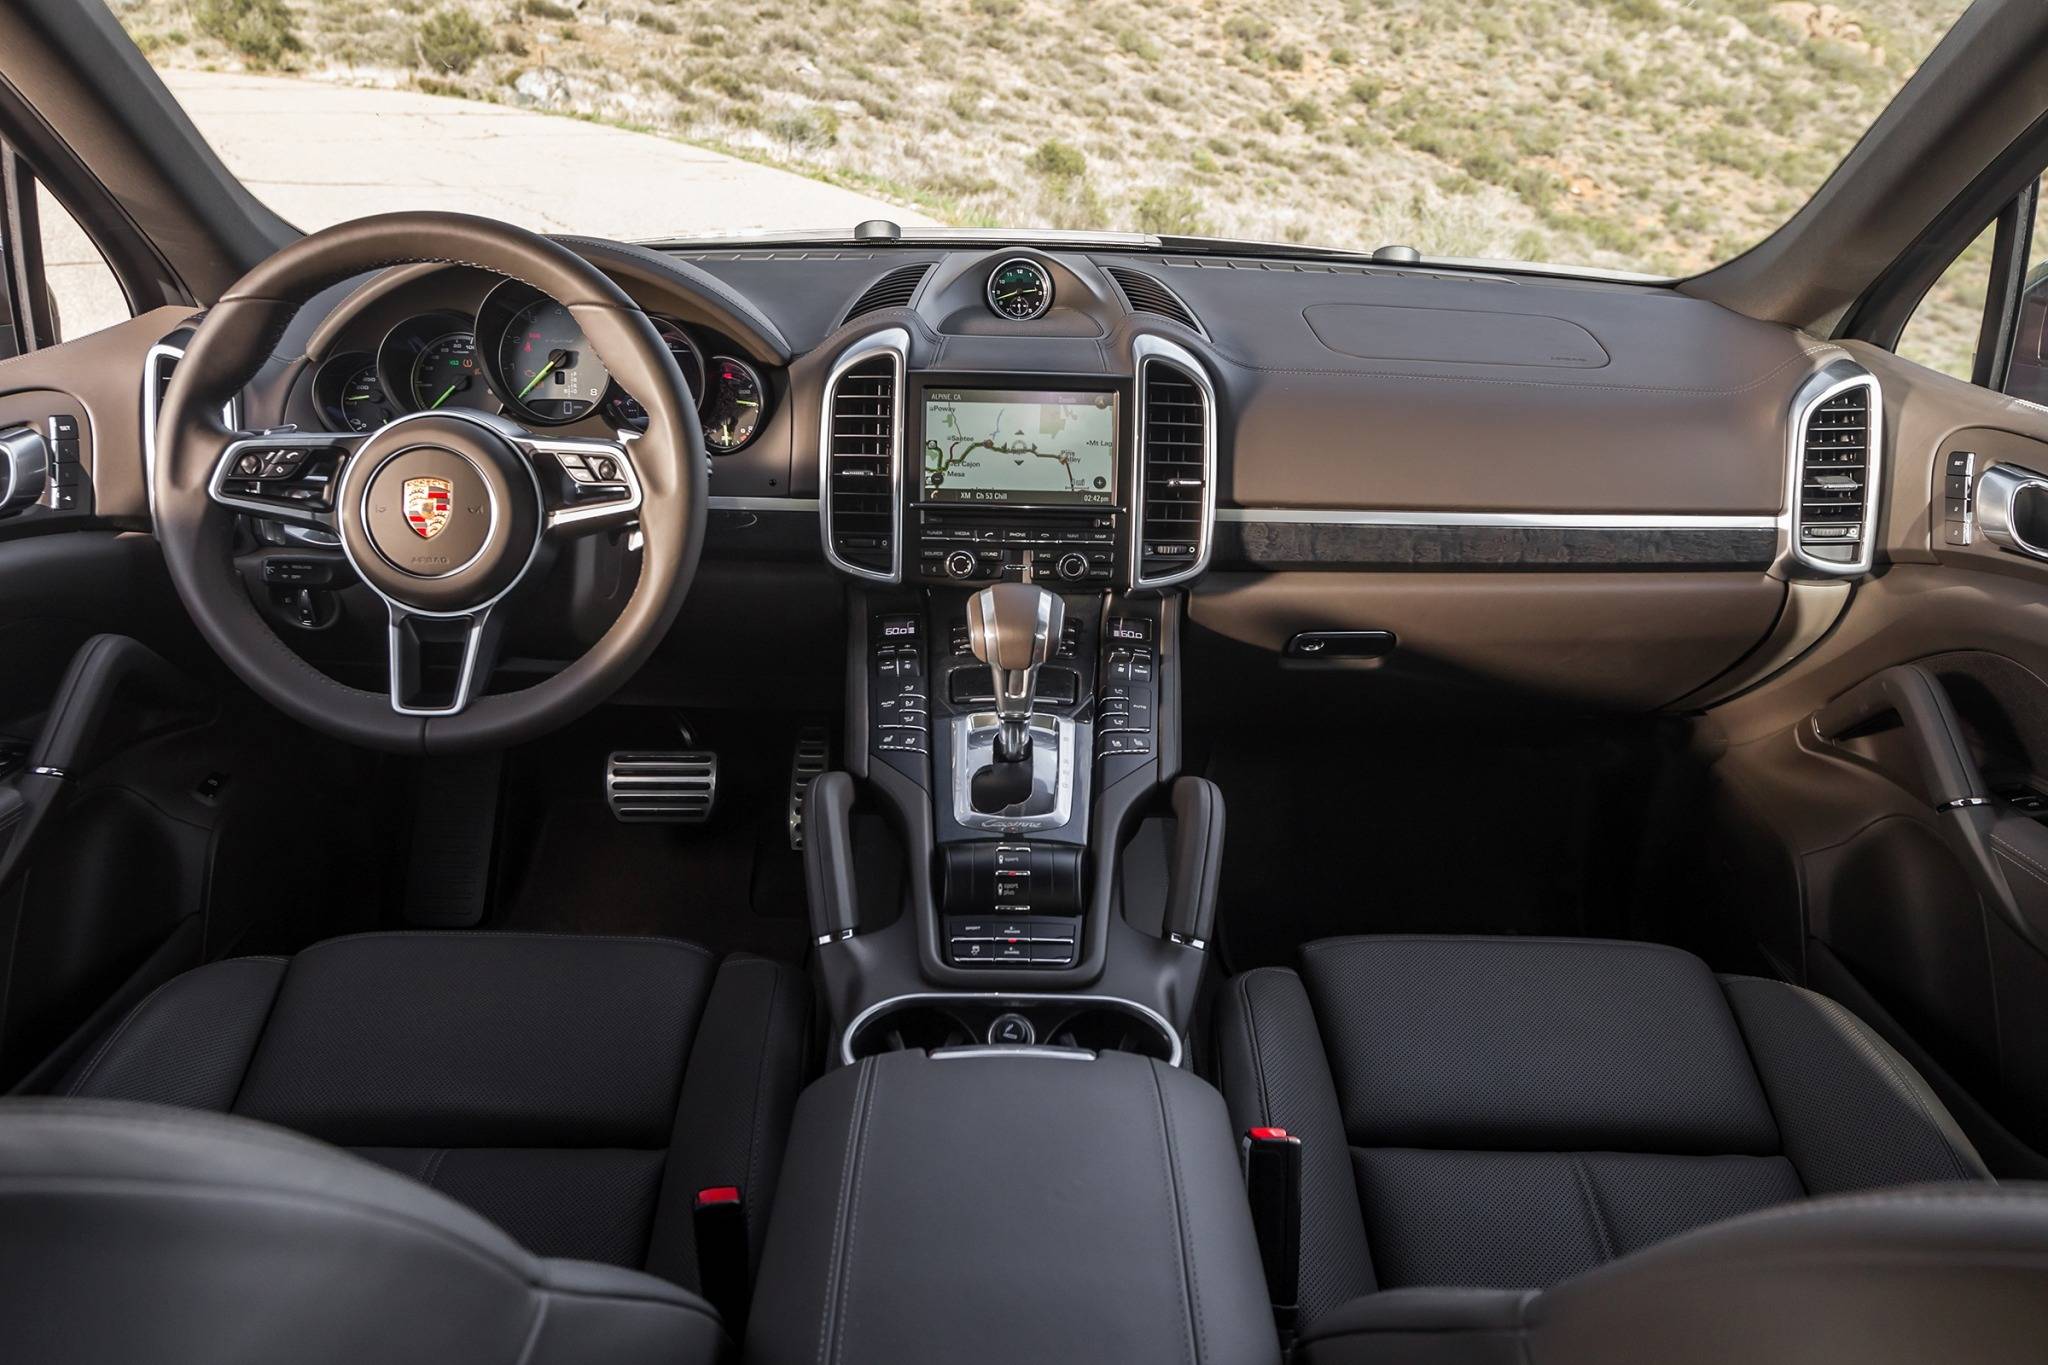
(652, 786)
(813, 755)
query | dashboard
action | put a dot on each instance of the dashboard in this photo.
(1568, 487)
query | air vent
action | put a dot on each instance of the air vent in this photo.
(861, 448)
(1178, 467)
(1147, 295)
(1838, 445)
(893, 290)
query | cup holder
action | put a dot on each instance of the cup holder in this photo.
(1095, 1023)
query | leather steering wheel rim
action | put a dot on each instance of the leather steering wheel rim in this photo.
(195, 529)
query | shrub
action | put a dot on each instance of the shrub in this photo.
(452, 40)
(806, 128)
(1057, 160)
(1170, 213)
(263, 31)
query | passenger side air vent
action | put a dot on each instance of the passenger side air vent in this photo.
(1177, 465)
(1147, 295)
(861, 451)
(893, 290)
(1838, 454)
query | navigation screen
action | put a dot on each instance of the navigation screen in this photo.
(990, 445)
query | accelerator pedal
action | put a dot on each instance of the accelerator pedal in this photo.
(657, 786)
(813, 755)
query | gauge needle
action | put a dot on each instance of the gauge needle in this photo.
(444, 396)
(554, 359)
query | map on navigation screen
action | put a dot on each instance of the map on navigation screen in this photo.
(985, 445)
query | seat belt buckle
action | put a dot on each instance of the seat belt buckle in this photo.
(724, 1268)
(1272, 1182)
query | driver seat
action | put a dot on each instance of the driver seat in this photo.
(577, 1092)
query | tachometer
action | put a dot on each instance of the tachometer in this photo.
(734, 406)
(550, 371)
(445, 373)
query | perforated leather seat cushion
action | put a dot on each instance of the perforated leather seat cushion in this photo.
(575, 1091)
(1511, 1112)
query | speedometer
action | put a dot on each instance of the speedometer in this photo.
(445, 374)
(550, 372)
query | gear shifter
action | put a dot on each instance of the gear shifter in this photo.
(1014, 628)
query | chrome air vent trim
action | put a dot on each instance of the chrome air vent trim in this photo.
(892, 345)
(1146, 352)
(1827, 386)
(157, 363)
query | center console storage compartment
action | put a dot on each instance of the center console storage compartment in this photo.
(1020, 1206)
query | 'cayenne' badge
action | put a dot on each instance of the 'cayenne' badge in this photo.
(427, 505)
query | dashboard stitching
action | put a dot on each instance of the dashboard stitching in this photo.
(1805, 354)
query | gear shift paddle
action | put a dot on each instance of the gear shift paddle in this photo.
(1014, 628)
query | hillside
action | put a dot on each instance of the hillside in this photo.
(1647, 134)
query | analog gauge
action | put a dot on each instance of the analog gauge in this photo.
(733, 407)
(1019, 290)
(550, 372)
(624, 410)
(445, 373)
(363, 404)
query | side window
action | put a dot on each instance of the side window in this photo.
(1943, 331)
(1985, 319)
(84, 294)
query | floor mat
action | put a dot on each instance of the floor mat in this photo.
(732, 885)
(1370, 832)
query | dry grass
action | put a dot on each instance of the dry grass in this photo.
(1659, 135)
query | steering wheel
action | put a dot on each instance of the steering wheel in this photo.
(444, 514)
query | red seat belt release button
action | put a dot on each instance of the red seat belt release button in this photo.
(724, 1265)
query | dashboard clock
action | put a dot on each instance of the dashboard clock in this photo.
(1019, 289)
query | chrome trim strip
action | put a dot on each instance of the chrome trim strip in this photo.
(1831, 379)
(893, 342)
(1057, 1054)
(719, 503)
(1157, 1019)
(1585, 521)
(1146, 348)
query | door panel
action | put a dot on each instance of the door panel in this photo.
(1915, 829)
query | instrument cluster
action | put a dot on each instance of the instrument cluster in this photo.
(523, 355)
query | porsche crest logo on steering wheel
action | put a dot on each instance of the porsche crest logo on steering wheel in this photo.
(428, 505)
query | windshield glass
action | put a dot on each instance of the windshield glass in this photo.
(1659, 136)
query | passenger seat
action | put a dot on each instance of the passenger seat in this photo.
(1510, 1113)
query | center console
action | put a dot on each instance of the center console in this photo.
(1013, 697)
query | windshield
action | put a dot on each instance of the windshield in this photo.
(1658, 136)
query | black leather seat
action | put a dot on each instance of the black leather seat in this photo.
(1510, 1113)
(577, 1092)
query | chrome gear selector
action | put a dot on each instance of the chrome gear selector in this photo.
(1014, 628)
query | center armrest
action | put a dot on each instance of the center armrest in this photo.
(1023, 1208)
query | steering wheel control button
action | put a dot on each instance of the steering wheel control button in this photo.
(1011, 1030)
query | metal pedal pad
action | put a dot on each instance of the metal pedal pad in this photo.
(650, 786)
(813, 754)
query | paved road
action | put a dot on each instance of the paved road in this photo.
(319, 154)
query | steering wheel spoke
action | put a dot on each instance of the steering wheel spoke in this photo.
(587, 485)
(287, 476)
(440, 664)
